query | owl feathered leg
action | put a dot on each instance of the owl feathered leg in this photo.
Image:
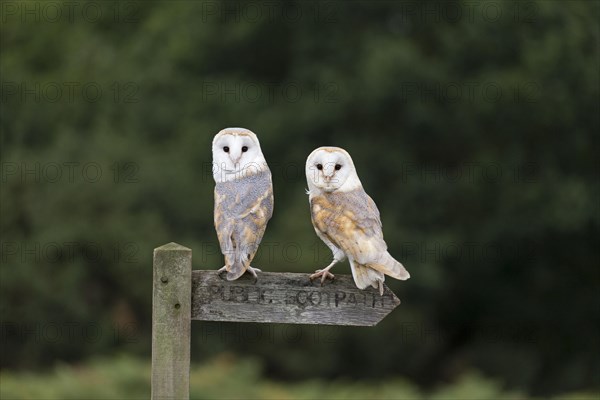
(338, 256)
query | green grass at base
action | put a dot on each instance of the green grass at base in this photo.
(227, 377)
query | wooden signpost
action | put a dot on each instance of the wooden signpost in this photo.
(181, 295)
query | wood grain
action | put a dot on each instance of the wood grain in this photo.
(171, 305)
(287, 298)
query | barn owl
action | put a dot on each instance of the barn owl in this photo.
(347, 220)
(243, 198)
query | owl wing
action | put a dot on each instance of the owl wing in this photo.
(351, 221)
(223, 225)
(242, 210)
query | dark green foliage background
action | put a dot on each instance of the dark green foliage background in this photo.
(504, 265)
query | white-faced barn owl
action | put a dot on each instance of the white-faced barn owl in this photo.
(243, 198)
(347, 220)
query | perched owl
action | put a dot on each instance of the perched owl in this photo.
(347, 220)
(243, 198)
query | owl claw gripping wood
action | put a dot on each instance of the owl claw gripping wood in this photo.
(347, 220)
(243, 198)
(323, 274)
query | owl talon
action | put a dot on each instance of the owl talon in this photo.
(253, 272)
(323, 274)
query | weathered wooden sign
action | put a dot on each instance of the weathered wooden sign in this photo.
(180, 295)
(287, 298)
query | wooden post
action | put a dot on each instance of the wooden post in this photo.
(171, 319)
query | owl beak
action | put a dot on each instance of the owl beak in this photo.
(328, 179)
(236, 159)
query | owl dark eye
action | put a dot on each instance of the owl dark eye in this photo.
(244, 149)
(319, 167)
(226, 149)
(338, 167)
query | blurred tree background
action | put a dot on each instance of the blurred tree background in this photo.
(473, 125)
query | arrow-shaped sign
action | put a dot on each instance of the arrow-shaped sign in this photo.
(274, 297)
(289, 298)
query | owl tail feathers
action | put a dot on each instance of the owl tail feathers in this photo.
(390, 266)
(235, 270)
(365, 276)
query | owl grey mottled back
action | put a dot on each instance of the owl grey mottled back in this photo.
(243, 198)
